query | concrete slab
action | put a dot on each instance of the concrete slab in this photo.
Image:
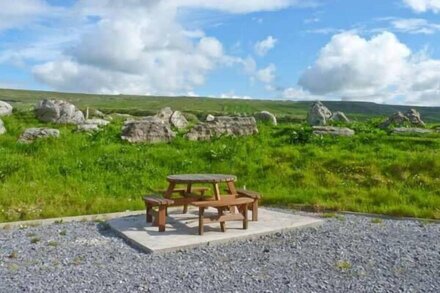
(182, 229)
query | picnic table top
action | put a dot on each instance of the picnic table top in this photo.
(201, 178)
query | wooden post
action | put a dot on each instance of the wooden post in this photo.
(162, 218)
(245, 215)
(149, 216)
(216, 191)
(185, 206)
(201, 212)
(222, 224)
(255, 210)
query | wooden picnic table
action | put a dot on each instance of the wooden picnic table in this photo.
(190, 179)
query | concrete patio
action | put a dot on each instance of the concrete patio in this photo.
(181, 229)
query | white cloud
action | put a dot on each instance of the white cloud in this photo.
(415, 26)
(381, 69)
(231, 95)
(299, 94)
(19, 13)
(423, 5)
(266, 75)
(264, 46)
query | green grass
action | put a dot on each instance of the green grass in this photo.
(80, 174)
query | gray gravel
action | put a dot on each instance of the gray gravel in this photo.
(345, 254)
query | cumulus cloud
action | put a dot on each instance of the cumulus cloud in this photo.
(423, 5)
(380, 69)
(267, 76)
(18, 13)
(264, 46)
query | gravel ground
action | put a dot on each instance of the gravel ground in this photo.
(345, 254)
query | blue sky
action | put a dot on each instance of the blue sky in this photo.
(379, 51)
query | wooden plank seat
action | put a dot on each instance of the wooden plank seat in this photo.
(256, 198)
(223, 207)
(196, 191)
(162, 204)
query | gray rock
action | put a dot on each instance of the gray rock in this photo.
(88, 127)
(98, 114)
(178, 120)
(318, 114)
(223, 125)
(165, 114)
(147, 131)
(266, 116)
(331, 130)
(58, 111)
(97, 121)
(339, 116)
(2, 127)
(414, 118)
(31, 134)
(210, 118)
(5, 109)
(411, 130)
(396, 119)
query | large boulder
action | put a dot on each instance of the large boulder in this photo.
(58, 111)
(5, 109)
(318, 114)
(31, 134)
(411, 130)
(223, 125)
(152, 131)
(266, 116)
(339, 116)
(414, 118)
(396, 119)
(331, 130)
(2, 127)
(178, 120)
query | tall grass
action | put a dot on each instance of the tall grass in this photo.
(84, 174)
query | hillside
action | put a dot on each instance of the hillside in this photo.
(150, 104)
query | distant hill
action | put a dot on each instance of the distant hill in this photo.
(150, 104)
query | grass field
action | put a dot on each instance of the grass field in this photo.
(85, 174)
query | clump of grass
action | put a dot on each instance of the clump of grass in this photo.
(63, 232)
(343, 265)
(333, 215)
(52, 243)
(35, 240)
(31, 234)
(376, 221)
(13, 254)
(77, 260)
(58, 222)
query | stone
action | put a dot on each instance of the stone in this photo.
(97, 121)
(414, 118)
(210, 118)
(98, 114)
(318, 114)
(411, 130)
(339, 116)
(147, 131)
(223, 125)
(266, 116)
(58, 111)
(31, 134)
(397, 119)
(2, 127)
(5, 109)
(88, 127)
(178, 120)
(165, 114)
(331, 130)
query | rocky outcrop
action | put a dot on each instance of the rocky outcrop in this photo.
(318, 114)
(266, 116)
(223, 125)
(2, 127)
(58, 111)
(339, 116)
(31, 134)
(414, 118)
(147, 131)
(398, 119)
(411, 130)
(165, 114)
(331, 130)
(5, 109)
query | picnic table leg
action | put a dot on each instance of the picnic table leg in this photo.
(185, 207)
(216, 191)
(148, 215)
(245, 215)
(255, 211)
(162, 218)
(201, 212)
(232, 190)
(222, 224)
